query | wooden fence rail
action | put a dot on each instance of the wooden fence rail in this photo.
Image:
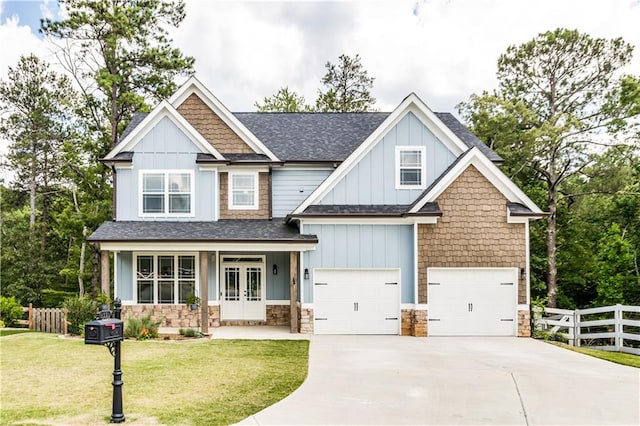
(608, 328)
(47, 320)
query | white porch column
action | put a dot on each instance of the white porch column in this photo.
(204, 292)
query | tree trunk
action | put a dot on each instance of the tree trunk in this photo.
(32, 211)
(552, 268)
(83, 247)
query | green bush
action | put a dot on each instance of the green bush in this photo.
(10, 311)
(190, 332)
(80, 310)
(141, 328)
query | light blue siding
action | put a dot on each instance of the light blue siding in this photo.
(291, 187)
(278, 285)
(373, 180)
(361, 247)
(165, 147)
(124, 276)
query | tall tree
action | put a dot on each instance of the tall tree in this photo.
(284, 100)
(120, 55)
(38, 107)
(346, 87)
(556, 111)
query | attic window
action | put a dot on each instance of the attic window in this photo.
(410, 167)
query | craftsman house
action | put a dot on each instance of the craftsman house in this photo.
(352, 223)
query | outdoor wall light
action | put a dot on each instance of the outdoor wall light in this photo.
(523, 273)
(275, 269)
(306, 273)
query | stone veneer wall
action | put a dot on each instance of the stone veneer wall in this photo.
(278, 315)
(211, 127)
(172, 315)
(524, 324)
(414, 323)
(305, 319)
(472, 232)
(263, 200)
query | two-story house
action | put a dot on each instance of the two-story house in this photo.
(354, 223)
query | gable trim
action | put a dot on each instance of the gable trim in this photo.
(489, 170)
(194, 86)
(164, 109)
(411, 103)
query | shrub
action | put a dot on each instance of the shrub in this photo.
(141, 328)
(80, 310)
(191, 332)
(10, 311)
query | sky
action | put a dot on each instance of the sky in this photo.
(443, 50)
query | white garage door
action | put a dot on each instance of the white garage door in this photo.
(356, 301)
(472, 302)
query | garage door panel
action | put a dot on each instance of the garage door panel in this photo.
(357, 301)
(472, 301)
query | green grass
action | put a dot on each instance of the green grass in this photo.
(51, 380)
(617, 357)
(10, 331)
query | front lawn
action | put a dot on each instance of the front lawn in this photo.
(51, 380)
(617, 357)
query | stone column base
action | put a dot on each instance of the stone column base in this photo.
(524, 324)
(414, 323)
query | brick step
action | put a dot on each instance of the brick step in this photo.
(242, 322)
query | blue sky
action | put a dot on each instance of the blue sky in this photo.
(29, 12)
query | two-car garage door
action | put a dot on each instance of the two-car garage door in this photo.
(472, 302)
(356, 301)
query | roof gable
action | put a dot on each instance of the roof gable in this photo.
(194, 87)
(163, 110)
(489, 170)
(411, 104)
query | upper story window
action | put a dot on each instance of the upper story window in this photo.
(243, 190)
(166, 193)
(411, 167)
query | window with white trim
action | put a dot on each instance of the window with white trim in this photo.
(410, 167)
(166, 193)
(165, 278)
(243, 190)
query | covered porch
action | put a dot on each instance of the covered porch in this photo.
(244, 272)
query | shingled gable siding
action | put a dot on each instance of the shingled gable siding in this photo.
(263, 200)
(211, 127)
(472, 232)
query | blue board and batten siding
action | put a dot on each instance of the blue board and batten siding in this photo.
(362, 247)
(373, 180)
(165, 147)
(292, 187)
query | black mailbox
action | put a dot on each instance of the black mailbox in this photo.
(99, 332)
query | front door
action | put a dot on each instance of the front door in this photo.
(243, 289)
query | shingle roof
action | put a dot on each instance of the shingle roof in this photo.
(324, 136)
(430, 209)
(517, 209)
(311, 136)
(229, 230)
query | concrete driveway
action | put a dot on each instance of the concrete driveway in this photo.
(456, 381)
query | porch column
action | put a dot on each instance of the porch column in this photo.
(293, 290)
(204, 289)
(105, 284)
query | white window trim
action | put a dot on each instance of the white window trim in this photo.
(423, 166)
(256, 191)
(166, 172)
(155, 278)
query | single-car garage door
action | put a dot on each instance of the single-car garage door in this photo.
(472, 302)
(356, 301)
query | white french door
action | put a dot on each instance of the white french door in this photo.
(243, 288)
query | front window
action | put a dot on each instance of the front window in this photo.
(167, 193)
(165, 278)
(410, 168)
(243, 191)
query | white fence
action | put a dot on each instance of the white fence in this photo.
(609, 328)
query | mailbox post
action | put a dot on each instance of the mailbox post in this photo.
(108, 330)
